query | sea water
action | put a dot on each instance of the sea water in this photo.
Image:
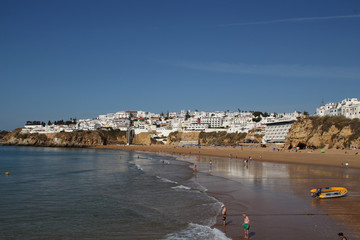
(62, 193)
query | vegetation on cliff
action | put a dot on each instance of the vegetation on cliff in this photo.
(221, 138)
(66, 139)
(340, 122)
(324, 132)
(207, 138)
(3, 133)
(60, 122)
(179, 137)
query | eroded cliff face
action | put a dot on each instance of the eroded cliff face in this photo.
(98, 138)
(212, 138)
(325, 132)
(142, 139)
(183, 137)
(63, 139)
(221, 138)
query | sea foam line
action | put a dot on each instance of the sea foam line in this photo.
(166, 180)
(139, 167)
(197, 232)
(136, 166)
(164, 162)
(181, 187)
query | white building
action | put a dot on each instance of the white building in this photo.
(120, 123)
(349, 108)
(330, 109)
(47, 128)
(195, 121)
(196, 127)
(212, 122)
(277, 132)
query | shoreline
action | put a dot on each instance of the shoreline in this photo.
(232, 194)
(331, 157)
(239, 199)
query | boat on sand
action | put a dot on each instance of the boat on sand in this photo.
(328, 192)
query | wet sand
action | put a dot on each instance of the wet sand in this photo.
(276, 198)
(275, 194)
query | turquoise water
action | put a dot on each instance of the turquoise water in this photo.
(61, 193)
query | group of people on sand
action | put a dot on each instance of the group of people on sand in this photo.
(246, 223)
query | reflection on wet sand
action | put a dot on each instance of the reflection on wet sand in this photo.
(281, 192)
(344, 209)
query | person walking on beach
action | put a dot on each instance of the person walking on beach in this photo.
(246, 226)
(341, 236)
(224, 214)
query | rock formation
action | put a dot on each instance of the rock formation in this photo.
(142, 139)
(221, 138)
(324, 132)
(64, 139)
(175, 138)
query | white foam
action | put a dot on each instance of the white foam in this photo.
(166, 180)
(181, 187)
(200, 187)
(197, 232)
(164, 162)
(139, 167)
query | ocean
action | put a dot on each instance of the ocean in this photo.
(67, 193)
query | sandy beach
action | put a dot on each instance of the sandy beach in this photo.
(331, 157)
(230, 180)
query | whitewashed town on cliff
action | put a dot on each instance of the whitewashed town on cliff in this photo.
(273, 127)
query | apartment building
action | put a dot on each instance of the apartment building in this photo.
(212, 122)
(196, 127)
(277, 132)
(349, 108)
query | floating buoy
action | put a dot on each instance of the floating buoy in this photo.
(7, 173)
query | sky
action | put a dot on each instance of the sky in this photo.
(64, 59)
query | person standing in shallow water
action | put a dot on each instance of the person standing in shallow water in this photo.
(224, 214)
(246, 225)
(341, 236)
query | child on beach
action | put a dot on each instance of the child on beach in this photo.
(246, 225)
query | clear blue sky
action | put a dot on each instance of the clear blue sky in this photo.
(62, 59)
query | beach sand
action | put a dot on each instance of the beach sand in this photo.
(331, 157)
(277, 216)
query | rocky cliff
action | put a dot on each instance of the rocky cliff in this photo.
(212, 138)
(98, 138)
(3, 133)
(221, 138)
(183, 137)
(63, 139)
(324, 132)
(142, 139)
